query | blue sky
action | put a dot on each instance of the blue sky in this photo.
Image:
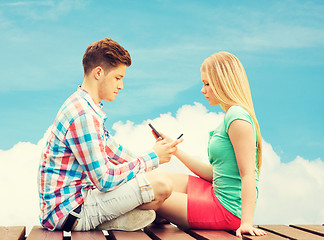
(280, 43)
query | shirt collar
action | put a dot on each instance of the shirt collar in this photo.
(96, 107)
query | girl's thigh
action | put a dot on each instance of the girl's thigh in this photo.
(179, 181)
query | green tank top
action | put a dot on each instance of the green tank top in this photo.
(226, 175)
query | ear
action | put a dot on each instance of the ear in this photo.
(97, 72)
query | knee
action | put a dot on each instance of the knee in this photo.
(162, 185)
(163, 188)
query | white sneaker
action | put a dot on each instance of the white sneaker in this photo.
(130, 221)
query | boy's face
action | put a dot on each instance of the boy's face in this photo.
(110, 83)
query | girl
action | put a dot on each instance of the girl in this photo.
(224, 194)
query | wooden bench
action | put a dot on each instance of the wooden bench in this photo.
(165, 232)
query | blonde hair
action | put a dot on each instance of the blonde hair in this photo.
(228, 80)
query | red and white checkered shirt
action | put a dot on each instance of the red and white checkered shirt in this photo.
(80, 155)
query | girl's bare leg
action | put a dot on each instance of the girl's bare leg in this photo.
(179, 182)
(174, 209)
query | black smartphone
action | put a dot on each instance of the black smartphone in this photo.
(154, 130)
(180, 136)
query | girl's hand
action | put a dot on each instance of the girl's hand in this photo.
(248, 228)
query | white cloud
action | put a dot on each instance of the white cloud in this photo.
(19, 197)
(289, 193)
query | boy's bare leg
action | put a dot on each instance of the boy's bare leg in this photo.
(162, 187)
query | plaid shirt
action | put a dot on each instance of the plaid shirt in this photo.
(80, 155)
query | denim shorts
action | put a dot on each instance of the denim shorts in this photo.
(99, 207)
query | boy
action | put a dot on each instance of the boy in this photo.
(85, 179)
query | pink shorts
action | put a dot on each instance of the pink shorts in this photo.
(204, 209)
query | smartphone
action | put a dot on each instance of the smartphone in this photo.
(180, 136)
(154, 130)
(157, 133)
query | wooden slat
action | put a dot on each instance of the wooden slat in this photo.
(290, 232)
(211, 234)
(89, 235)
(13, 233)
(39, 233)
(121, 235)
(315, 229)
(166, 232)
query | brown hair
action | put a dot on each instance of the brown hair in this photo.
(105, 53)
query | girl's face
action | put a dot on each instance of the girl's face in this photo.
(207, 90)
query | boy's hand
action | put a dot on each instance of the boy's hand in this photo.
(165, 148)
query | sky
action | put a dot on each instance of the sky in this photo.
(280, 44)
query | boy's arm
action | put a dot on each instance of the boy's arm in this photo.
(122, 154)
(86, 139)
